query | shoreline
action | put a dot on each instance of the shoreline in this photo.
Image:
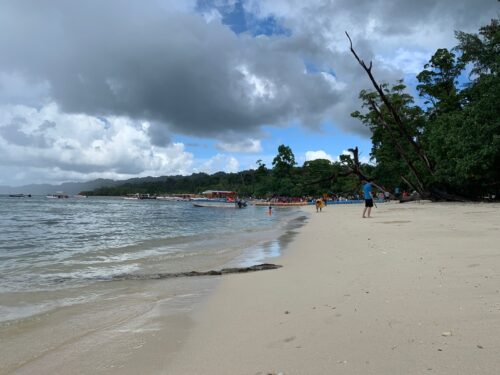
(132, 315)
(413, 290)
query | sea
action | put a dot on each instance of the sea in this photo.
(58, 245)
(88, 261)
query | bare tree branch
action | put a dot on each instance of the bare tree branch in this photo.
(395, 115)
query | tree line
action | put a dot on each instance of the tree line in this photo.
(283, 178)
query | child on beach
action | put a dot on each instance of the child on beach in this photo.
(319, 205)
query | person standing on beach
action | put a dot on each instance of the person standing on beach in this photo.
(319, 205)
(367, 190)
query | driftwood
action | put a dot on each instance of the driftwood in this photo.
(224, 271)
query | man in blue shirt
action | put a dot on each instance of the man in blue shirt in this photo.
(367, 190)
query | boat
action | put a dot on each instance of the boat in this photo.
(58, 195)
(139, 196)
(20, 195)
(174, 198)
(219, 199)
(147, 196)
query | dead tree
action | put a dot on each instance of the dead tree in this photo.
(426, 190)
(400, 126)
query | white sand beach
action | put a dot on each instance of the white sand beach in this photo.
(414, 290)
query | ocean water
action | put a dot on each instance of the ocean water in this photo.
(60, 253)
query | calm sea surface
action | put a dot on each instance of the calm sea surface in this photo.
(64, 252)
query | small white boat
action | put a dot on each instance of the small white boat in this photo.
(139, 196)
(219, 199)
(172, 198)
(220, 204)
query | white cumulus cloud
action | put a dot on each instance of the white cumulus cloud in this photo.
(82, 147)
(320, 154)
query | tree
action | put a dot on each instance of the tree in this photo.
(315, 176)
(438, 82)
(394, 154)
(450, 148)
(284, 161)
(465, 142)
(282, 176)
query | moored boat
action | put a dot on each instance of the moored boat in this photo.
(139, 196)
(219, 199)
(58, 195)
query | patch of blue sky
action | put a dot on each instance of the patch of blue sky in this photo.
(329, 139)
(240, 21)
(104, 122)
(267, 26)
(313, 68)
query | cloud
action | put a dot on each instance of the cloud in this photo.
(170, 67)
(189, 73)
(219, 163)
(115, 148)
(245, 146)
(399, 36)
(320, 154)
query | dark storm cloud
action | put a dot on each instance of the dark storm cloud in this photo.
(159, 135)
(139, 60)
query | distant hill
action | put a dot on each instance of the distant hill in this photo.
(68, 187)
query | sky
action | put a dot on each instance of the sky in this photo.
(114, 89)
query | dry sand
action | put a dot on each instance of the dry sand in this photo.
(414, 290)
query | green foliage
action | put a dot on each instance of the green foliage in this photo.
(391, 149)
(315, 174)
(465, 141)
(457, 132)
(284, 162)
(482, 50)
(439, 79)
